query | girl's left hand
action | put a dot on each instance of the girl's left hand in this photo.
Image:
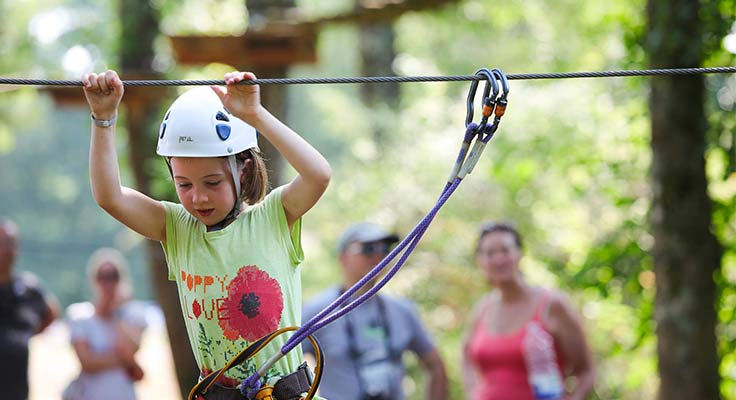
(244, 101)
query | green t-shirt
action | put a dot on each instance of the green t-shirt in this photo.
(237, 284)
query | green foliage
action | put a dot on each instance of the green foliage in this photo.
(191, 17)
(44, 150)
(46, 191)
(719, 19)
(569, 166)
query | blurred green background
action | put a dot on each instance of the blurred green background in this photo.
(569, 164)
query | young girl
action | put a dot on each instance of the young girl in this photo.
(232, 250)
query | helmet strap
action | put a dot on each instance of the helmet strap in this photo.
(232, 160)
(236, 175)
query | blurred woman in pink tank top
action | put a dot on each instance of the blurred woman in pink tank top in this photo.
(521, 334)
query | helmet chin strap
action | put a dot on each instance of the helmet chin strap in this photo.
(236, 207)
(236, 176)
(236, 180)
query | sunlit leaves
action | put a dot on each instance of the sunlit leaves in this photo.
(203, 17)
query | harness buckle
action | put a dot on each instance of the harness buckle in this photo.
(294, 385)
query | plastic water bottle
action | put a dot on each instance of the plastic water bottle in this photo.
(541, 363)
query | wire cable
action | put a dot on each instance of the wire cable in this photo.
(389, 79)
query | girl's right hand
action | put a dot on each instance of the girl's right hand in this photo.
(103, 92)
(244, 101)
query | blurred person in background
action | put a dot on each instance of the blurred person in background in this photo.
(522, 341)
(106, 334)
(25, 310)
(363, 349)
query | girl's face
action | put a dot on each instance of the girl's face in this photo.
(204, 186)
(498, 257)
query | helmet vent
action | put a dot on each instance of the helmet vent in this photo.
(163, 130)
(223, 131)
(220, 116)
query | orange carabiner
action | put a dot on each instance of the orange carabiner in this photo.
(264, 393)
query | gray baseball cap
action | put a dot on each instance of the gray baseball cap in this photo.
(364, 232)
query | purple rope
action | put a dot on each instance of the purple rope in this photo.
(322, 319)
(328, 315)
(249, 386)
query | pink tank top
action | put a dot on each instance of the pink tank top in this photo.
(499, 359)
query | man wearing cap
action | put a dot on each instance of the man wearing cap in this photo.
(363, 349)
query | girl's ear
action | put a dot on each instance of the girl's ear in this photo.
(248, 163)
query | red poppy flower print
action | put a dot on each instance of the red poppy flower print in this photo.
(253, 305)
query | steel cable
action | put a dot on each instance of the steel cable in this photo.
(388, 79)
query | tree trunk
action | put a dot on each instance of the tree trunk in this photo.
(273, 97)
(377, 56)
(686, 252)
(139, 29)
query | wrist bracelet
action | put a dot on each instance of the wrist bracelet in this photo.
(104, 123)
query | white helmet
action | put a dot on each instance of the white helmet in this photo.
(198, 125)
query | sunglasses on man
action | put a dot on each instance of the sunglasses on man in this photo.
(371, 248)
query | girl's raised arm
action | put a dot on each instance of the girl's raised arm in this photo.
(132, 208)
(313, 170)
